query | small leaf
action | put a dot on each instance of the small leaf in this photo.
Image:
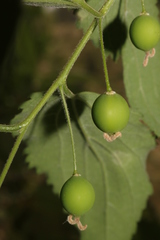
(51, 3)
(25, 110)
(116, 170)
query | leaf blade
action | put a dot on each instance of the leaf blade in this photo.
(111, 168)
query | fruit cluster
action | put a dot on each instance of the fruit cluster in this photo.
(110, 113)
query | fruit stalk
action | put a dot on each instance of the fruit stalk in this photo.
(70, 129)
(109, 89)
(143, 7)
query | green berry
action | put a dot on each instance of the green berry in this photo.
(110, 112)
(77, 196)
(145, 32)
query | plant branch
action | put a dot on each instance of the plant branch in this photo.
(105, 8)
(59, 81)
(11, 156)
(62, 76)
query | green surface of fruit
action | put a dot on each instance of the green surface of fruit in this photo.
(145, 32)
(110, 113)
(77, 196)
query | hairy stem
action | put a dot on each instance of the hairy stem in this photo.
(109, 89)
(106, 6)
(143, 7)
(70, 128)
(11, 156)
(88, 8)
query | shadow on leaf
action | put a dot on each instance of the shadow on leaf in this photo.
(55, 118)
(115, 35)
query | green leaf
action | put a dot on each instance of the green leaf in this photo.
(51, 3)
(116, 170)
(25, 110)
(142, 83)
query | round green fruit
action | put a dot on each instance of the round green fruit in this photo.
(110, 112)
(145, 32)
(77, 196)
